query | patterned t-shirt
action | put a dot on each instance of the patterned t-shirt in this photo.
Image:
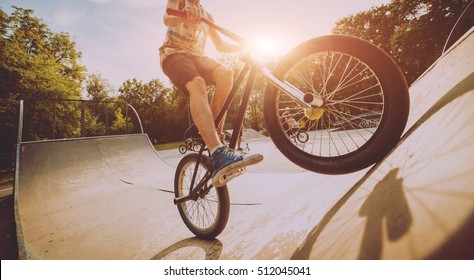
(186, 38)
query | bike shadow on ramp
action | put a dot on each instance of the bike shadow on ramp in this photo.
(417, 203)
(193, 248)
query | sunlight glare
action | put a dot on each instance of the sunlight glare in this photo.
(267, 47)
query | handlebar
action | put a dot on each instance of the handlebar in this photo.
(227, 33)
(176, 13)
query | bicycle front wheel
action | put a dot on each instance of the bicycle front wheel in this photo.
(196, 147)
(365, 107)
(207, 214)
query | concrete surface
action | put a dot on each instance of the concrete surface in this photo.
(110, 198)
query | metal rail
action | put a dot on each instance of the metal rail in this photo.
(82, 102)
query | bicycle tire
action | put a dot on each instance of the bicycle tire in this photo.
(196, 147)
(302, 136)
(183, 149)
(207, 216)
(336, 67)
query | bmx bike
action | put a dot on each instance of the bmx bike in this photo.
(194, 146)
(323, 81)
(244, 150)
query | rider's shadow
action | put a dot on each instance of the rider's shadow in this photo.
(386, 211)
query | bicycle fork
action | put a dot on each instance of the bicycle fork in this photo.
(201, 188)
(199, 191)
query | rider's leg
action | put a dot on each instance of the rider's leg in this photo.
(225, 162)
(201, 112)
(224, 80)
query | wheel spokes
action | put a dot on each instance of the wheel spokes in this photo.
(203, 211)
(353, 103)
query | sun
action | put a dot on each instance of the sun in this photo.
(267, 47)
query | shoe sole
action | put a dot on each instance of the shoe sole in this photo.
(234, 170)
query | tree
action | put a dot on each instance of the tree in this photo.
(156, 105)
(98, 88)
(36, 63)
(254, 114)
(412, 32)
(101, 110)
(121, 124)
(94, 126)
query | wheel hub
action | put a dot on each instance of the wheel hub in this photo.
(314, 113)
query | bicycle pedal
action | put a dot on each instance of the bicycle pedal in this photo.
(232, 174)
(240, 171)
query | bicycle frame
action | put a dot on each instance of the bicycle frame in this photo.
(251, 68)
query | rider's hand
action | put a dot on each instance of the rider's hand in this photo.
(246, 50)
(193, 14)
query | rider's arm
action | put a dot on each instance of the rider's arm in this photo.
(221, 45)
(193, 14)
(172, 20)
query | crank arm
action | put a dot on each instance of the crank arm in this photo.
(201, 187)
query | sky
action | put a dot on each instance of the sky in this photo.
(120, 38)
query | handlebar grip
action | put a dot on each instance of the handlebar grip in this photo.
(176, 13)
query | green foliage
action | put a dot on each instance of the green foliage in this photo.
(121, 124)
(254, 115)
(94, 127)
(100, 112)
(163, 112)
(35, 63)
(412, 32)
(98, 88)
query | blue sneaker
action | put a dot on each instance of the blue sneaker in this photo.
(227, 165)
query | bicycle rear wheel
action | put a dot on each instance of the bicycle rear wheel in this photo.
(359, 84)
(182, 149)
(206, 216)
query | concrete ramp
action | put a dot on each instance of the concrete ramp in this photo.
(108, 198)
(74, 196)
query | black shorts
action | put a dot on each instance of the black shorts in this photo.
(182, 68)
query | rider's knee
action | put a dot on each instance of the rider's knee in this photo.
(196, 86)
(223, 75)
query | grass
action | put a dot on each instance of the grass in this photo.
(6, 178)
(167, 146)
